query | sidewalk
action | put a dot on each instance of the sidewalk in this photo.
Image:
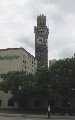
(38, 116)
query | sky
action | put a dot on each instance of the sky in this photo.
(18, 18)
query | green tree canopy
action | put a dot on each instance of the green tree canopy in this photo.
(18, 83)
(59, 78)
(62, 75)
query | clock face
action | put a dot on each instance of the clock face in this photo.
(40, 40)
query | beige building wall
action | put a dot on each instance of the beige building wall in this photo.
(15, 59)
(4, 97)
(29, 63)
(10, 60)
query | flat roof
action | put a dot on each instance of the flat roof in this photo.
(16, 49)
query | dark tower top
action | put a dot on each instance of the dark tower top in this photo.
(41, 42)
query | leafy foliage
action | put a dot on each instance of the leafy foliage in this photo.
(59, 78)
(63, 77)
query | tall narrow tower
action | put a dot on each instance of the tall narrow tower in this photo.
(41, 41)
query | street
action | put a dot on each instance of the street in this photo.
(34, 117)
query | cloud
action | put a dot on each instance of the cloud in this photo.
(18, 18)
(65, 5)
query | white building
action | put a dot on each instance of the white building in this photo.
(15, 59)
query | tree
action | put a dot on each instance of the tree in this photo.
(62, 75)
(42, 80)
(59, 78)
(42, 83)
(18, 83)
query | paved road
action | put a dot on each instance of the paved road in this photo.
(34, 117)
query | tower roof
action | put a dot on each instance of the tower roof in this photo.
(41, 16)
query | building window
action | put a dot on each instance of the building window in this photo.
(25, 67)
(40, 23)
(32, 62)
(39, 33)
(23, 61)
(23, 56)
(39, 58)
(43, 23)
(0, 102)
(10, 103)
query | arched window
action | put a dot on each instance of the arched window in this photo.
(40, 23)
(43, 23)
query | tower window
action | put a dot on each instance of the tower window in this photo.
(23, 61)
(40, 23)
(25, 67)
(39, 58)
(43, 23)
(0, 102)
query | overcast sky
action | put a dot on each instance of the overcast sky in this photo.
(18, 18)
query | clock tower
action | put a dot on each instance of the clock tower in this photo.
(41, 41)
